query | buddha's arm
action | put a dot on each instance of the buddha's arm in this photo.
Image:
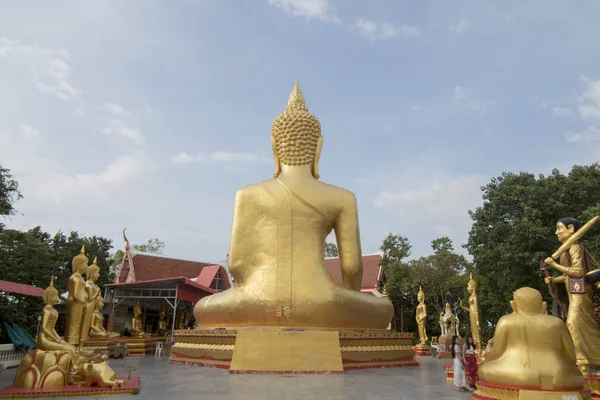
(576, 268)
(460, 304)
(559, 279)
(500, 341)
(79, 292)
(567, 344)
(348, 241)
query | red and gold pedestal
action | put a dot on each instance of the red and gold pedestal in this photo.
(486, 391)
(422, 350)
(101, 344)
(449, 372)
(139, 346)
(592, 383)
(282, 350)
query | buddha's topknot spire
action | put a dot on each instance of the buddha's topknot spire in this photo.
(297, 100)
(82, 249)
(51, 281)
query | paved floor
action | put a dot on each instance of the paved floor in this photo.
(162, 381)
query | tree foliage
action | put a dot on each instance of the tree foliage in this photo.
(514, 230)
(331, 250)
(32, 257)
(9, 193)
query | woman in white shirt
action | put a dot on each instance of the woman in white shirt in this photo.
(458, 365)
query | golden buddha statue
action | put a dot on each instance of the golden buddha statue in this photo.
(137, 328)
(47, 338)
(581, 320)
(77, 299)
(279, 229)
(422, 316)
(93, 293)
(162, 322)
(531, 350)
(97, 327)
(474, 314)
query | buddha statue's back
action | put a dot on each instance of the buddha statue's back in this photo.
(279, 230)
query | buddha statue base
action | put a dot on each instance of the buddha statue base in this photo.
(422, 349)
(486, 391)
(296, 350)
(449, 369)
(592, 383)
(101, 344)
(139, 345)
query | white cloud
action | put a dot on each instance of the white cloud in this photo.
(590, 134)
(118, 127)
(115, 109)
(29, 131)
(466, 97)
(49, 67)
(318, 9)
(80, 113)
(383, 30)
(219, 156)
(461, 27)
(589, 102)
(561, 111)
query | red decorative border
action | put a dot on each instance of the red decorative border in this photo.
(238, 372)
(72, 390)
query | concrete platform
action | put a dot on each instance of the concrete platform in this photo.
(160, 380)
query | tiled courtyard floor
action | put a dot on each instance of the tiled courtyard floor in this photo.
(160, 380)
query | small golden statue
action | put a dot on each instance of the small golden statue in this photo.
(279, 229)
(162, 322)
(97, 328)
(77, 299)
(93, 293)
(531, 350)
(137, 328)
(47, 338)
(574, 263)
(422, 316)
(474, 314)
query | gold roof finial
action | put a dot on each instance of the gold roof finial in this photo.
(126, 240)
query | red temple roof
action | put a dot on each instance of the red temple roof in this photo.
(371, 270)
(20, 288)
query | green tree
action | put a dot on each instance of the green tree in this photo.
(514, 230)
(396, 249)
(331, 250)
(9, 193)
(443, 277)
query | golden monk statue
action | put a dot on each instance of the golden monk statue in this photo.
(422, 316)
(162, 323)
(531, 350)
(77, 299)
(97, 328)
(47, 338)
(93, 293)
(474, 314)
(581, 320)
(137, 328)
(279, 228)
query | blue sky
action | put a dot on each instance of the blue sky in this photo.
(148, 114)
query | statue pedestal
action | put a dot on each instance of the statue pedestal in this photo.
(423, 350)
(449, 369)
(592, 383)
(487, 391)
(139, 345)
(445, 351)
(357, 349)
(100, 344)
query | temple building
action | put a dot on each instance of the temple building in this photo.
(160, 283)
(373, 278)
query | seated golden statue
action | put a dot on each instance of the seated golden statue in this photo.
(97, 328)
(47, 338)
(137, 328)
(279, 229)
(162, 323)
(531, 350)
